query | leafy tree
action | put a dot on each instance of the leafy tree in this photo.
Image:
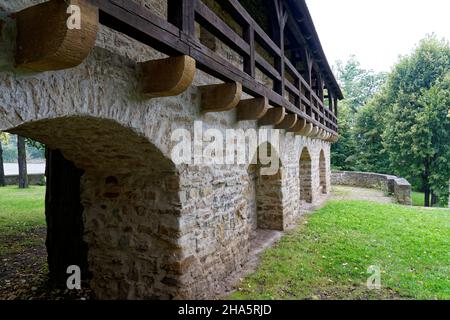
(343, 151)
(369, 126)
(22, 159)
(358, 86)
(3, 139)
(416, 131)
(433, 136)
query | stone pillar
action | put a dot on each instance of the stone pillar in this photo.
(306, 193)
(402, 191)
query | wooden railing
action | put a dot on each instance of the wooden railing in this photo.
(176, 35)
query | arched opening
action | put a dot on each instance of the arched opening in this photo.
(306, 194)
(323, 172)
(267, 183)
(112, 206)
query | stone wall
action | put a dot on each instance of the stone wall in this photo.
(154, 229)
(33, 179)
(400, 188)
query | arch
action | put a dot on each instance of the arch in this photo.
(323, 172)
(306, 194)
(268, 199)
(129, 193)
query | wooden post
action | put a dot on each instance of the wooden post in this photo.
(167, 77)
(63, 212)
(44, 40)
(181, 14)
(249, 61)
(278, 35)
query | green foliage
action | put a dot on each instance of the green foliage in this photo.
(404, 128)
(417, 129)
(35, 150)
(328, 257)
(358, 86)
(4, 137)
(369, 152)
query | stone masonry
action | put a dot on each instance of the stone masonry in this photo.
(154, 229)
(400, 188)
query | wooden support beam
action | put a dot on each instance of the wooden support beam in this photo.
(288, 122)
(321, 134)
(273, 116)
(44, 40)
(314, 132)
(220, 97)
(167, 77)
(306, 130)
(299, 125)
(252, 109)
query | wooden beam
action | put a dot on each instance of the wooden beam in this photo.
(220, 97)
(273, 116)
(44, 40)
(288, 122)
(306, 130)
(323, 134)
(252, 109)
(299, 125)
(167, 77)
(314, 132)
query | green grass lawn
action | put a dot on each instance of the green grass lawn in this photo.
(328, 255)
(418, 199)
(21, 210)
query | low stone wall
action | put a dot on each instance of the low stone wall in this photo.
(399, 187)
(402, 191)
(33, 179)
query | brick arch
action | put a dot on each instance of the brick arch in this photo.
(129, 200)
(306, 194)
(323, 172)
(268, 199)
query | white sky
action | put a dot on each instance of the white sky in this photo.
(377, 31)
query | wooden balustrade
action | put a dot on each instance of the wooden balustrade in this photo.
(176, 36)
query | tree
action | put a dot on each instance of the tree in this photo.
(433, 137)
(369, 127)
(22, 159)
(416, 128)
(358, 86)
(3, 139)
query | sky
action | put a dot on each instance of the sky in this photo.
(377, 31)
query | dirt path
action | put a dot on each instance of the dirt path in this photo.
(23, 271)
(354, 193)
